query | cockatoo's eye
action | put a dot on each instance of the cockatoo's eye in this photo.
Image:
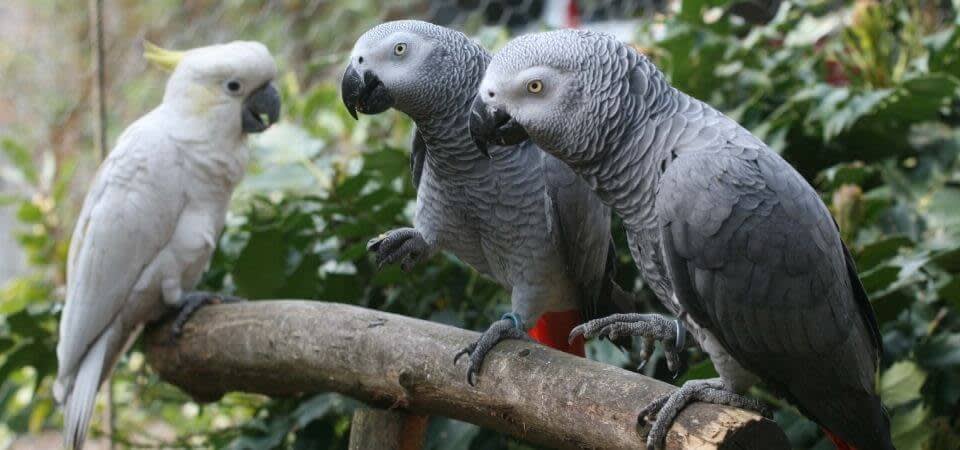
(400, 48)
(534, 86)
(233, 86)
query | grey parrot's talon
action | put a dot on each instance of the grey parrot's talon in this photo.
(472, 377)
(502, 329)
(650, 411)
(465, 351)
(374, 244)
(404, 245)
(576, 332)
(667, 407)
(643, 363)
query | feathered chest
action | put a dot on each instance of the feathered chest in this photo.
(214, 172)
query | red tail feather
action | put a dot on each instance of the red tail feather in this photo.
(838, 442)
(553, 328)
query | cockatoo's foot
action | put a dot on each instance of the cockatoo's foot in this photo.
(403, 244)
(668, 406)
(506, 328)
(191, 302)
(651, 327)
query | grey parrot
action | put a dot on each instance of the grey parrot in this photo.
(730, 237)
(515, 214)
(152, 216)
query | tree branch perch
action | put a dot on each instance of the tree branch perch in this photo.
(287, 348)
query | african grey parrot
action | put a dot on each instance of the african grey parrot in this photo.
(730, 237)
(518, 215)
(151, 219)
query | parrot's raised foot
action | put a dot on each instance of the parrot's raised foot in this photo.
(403, 244)
(666, 408)
(506, 328)
(191, 302)
(650, 327)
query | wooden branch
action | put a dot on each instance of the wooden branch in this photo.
(287, 348)
(386, 429)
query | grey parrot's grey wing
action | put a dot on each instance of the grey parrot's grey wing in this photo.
(582, 231)
(418, 154)
(863, 301)
(128, 216)
(754, 258)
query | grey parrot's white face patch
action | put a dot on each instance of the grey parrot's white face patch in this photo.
(534, 97)
(581, 84)
(542, 99)
(397, 60)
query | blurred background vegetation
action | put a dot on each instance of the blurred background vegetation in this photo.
(861, 96)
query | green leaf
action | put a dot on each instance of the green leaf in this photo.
(18, 293)
(700, 371)
(950, 291)
(20, 157)
(949, 259)
(941, 351)
(29, 213)
(259, 270)
(889, 305)
(909, 429)
(876, 252)
(901, 383)
(917, 99)
(879, 278)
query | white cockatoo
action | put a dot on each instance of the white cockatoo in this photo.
(151, 219)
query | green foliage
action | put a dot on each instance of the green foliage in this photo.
(862, 100)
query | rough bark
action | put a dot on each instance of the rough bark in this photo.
(374, 428)
(288, 348)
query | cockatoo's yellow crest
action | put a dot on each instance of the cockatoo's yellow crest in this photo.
(162, 58)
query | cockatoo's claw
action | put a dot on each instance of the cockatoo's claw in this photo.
(665, 409)
(405, 245)
(191, 302)
(502, 329)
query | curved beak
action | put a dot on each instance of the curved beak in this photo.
(491, 126)
(261, 109)
(364, 92)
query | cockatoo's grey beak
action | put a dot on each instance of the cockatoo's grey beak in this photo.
(364, 93)
(490, 126)
(261, 109)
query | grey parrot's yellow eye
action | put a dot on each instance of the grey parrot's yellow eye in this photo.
(399, 49)
(534, 86)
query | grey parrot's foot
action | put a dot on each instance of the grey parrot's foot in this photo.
(191, 302)
(403, 244)
(506, 328)
(651, 327)
(666, 408)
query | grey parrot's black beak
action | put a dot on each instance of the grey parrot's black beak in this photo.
(489, 126)
(364, 93)
(261, 109)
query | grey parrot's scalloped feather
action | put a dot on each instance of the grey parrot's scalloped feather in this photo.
(583, 222)
(754, 256)
(418, 154)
